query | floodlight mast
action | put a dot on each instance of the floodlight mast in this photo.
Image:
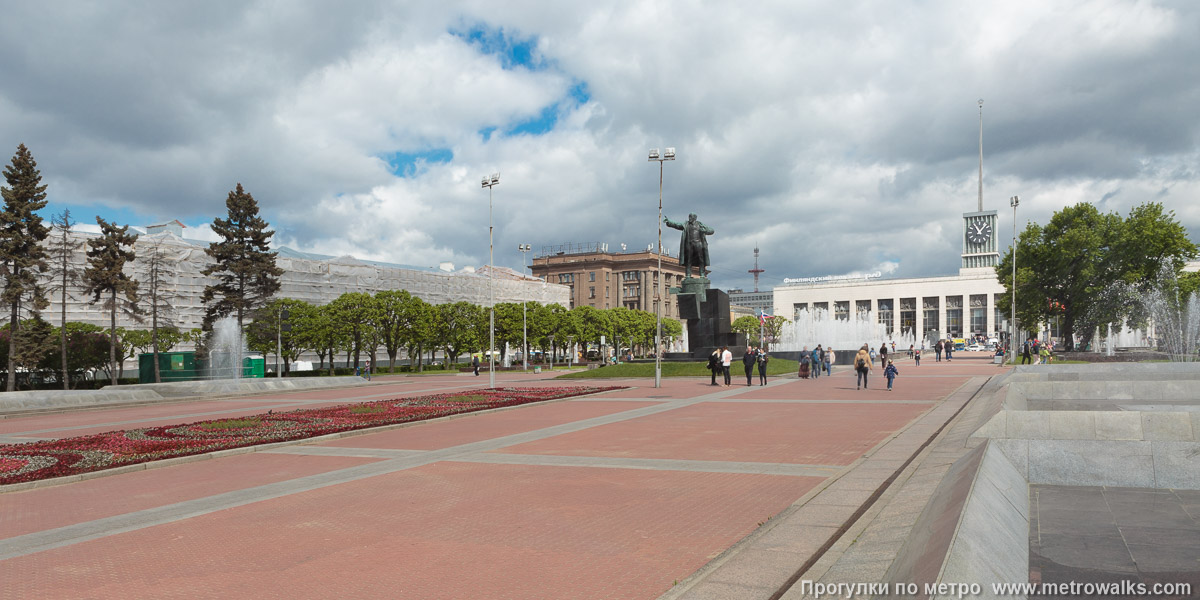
(489, 183)
(1012, 336)
(524, 248)
(668, 154)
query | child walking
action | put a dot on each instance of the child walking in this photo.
(890, 372)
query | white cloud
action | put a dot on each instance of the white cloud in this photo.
(838, 138)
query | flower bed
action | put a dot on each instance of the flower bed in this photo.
(70, 456)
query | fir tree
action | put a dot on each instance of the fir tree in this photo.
(21, 232)
(105, 275)
(245, 266)
(64, 274)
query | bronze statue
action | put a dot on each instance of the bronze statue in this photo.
(693, 245)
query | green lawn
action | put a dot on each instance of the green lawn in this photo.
(777, 366)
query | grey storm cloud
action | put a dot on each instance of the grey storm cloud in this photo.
(837, 137)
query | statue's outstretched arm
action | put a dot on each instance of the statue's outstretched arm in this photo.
(672, 224)
(707, 230)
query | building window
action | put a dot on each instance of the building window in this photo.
(606, 292)
(862, 310)
(908, 315)
(954, 316)
(592, 276)
(820, 311)
(979, 314)
(606, 273)
(885, 314)
(929, 317)
(841, 310)
(797, 308)
(592, 292)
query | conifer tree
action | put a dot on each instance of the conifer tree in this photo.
(245, 266)
(64, 274)
(21, 232)
(105, 275)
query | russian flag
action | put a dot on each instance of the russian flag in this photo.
(762, 317)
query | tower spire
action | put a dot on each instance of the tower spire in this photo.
(981, 155)
(755, 270)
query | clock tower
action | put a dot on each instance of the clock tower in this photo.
(980, 250)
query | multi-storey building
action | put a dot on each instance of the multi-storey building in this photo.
(604, 279)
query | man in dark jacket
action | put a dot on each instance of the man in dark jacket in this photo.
(749, 359)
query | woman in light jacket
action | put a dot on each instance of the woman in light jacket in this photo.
(862, 365)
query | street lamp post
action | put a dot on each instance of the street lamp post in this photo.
(489, 183)
(1012, 336)
(668, 154)
(524, 248)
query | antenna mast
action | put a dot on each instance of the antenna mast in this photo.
(755, 270)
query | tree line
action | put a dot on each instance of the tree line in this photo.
(243, 266)
(360, 325)
(37, 261)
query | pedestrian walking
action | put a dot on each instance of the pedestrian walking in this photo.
(714, 364)
(911, 349)
(762, 367)
(368, 369)
(748, 361)
(883, 354)
(1044, 354)
(805, 369)
(917, 357)
(862, 366)
(830, 358)
(890, 372)
(949, 349)
(1026, 357)
(475, 364)
(937, 348)
(816, 362)
(726, 360)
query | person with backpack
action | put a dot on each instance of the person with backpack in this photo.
(816, 362)
(714, 364)
(937, 349)
(890, 372)
(762, 367)
(862, 365)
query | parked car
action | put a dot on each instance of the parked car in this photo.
(975, 348)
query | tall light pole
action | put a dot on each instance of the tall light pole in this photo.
(1012, 336)
(524, 248)
(669, 154)
(489, 183)
(981, 155)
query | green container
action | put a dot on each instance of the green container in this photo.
(254, 367)
(172, 366)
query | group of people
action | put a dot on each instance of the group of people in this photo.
(944, 346)
(864, 363)
(1044, 351)
(812, 362)
(721, 360)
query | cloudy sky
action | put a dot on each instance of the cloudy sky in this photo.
(837, 136)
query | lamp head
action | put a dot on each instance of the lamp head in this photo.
(1014, 201)
(669, 154)
(495, 178)
(653, 154)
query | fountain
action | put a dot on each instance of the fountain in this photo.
(1172, 322)
(815, 327)
(226, 350)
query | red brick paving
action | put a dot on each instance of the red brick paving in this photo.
(824, 434)
(47, 508)
(459, 529)
(453, 432)
(447, 530)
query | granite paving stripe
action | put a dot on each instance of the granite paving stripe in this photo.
(73, 534)
(701, 466)
(339, 451)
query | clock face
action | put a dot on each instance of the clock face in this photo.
(979, 232)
